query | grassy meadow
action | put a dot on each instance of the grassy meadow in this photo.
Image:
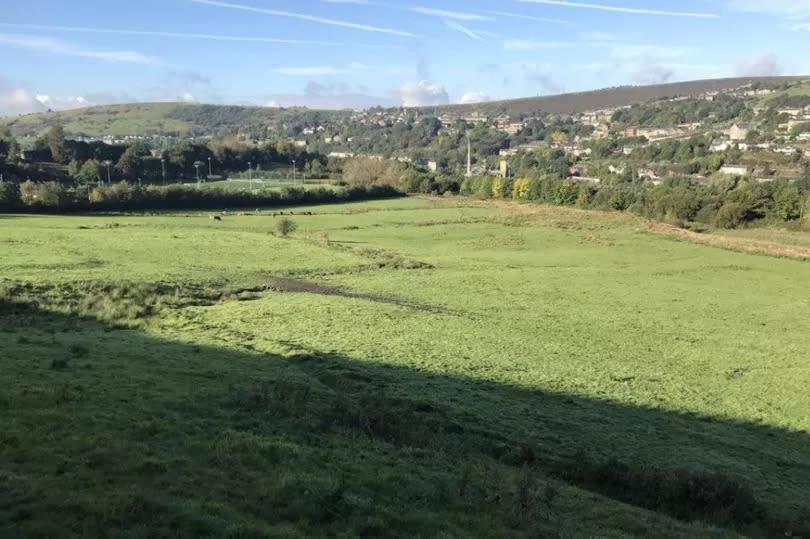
(412, 368)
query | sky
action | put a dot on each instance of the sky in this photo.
(61, 54)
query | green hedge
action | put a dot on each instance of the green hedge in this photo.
(53, 197)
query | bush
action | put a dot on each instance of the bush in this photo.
(9, 196)
(685, 494)
(285, 227)
(730, 215)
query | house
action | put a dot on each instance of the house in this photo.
(432, 166)
(580, 179)
(647, 173)
(803, 137)
(796, 123)
(738, 131)
(735, 170)
(511, 129)
(791, 112)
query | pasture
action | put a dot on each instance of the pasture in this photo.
(410, 367)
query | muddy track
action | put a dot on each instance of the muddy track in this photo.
(284, 284)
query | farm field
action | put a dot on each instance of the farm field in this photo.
(410, 367)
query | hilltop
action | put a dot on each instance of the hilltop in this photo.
(611, 98)
(177, 119)
(188, 119)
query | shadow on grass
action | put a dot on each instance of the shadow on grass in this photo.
(118, 433)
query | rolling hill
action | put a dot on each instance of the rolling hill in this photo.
(179, 119)
(186, 119)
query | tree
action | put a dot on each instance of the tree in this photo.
(9, 149)
(129, 165)
(787, 202)
(367, 171)
(90, 172)
(286, 226)
(54, 140)
(9, 195)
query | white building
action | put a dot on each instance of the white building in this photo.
(735, 170)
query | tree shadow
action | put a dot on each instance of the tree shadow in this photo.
(121, 433)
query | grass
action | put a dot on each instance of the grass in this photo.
(404, 368)
(266, 184)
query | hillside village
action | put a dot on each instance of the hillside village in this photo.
(759, 130)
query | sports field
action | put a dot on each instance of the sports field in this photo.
(415, 367)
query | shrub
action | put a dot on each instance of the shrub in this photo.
(53, 196)
(9, 196)
(730, 215)
(684, 494)
(285, 227)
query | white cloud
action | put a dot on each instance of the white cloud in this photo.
(305, 17)
(622, 9)
(446, 14)
(423, 93)
(309, 71)
(791, 9)
(16, 99)
(628, 51)
(187, 35)
(532, 45)
(525, 17)
(326, 70)
(463, 29)
(54, 46)
(762, 65)
(603, 37)
(653, 73)
(474, 97)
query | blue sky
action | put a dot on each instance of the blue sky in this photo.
(355, 53)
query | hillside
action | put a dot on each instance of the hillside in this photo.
(186, 119)
(608, 98)
(178, 119)
(419, 367)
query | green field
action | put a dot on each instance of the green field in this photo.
(261, 184)
(411, 368)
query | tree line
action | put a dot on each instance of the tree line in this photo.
(55, 197)
(728, 203)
